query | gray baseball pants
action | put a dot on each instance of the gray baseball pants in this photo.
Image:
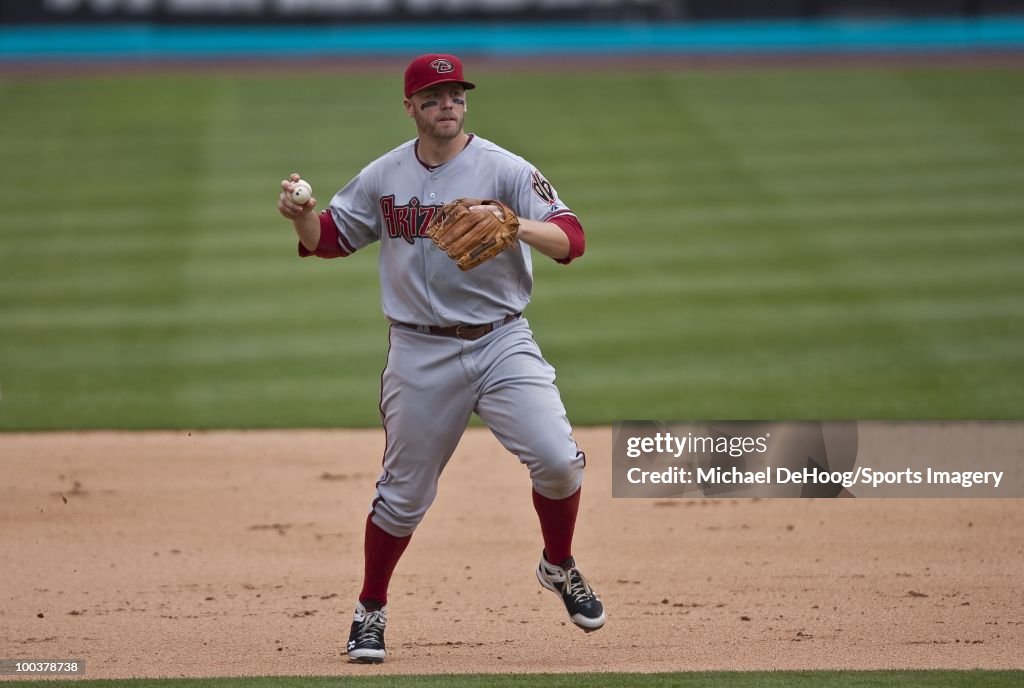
(429, 388)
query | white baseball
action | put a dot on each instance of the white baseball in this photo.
(301, 192)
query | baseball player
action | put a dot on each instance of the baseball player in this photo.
(455, 277)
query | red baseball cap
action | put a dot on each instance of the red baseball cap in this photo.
(427, 70)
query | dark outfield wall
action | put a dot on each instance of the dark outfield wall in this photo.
(349, 11)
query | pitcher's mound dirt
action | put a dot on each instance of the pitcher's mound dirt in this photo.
(240, 553)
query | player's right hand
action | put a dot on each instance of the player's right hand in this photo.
(286, 206)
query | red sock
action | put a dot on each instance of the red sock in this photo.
(557, 523)
(381, 552)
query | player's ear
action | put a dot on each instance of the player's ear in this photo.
(410, 109)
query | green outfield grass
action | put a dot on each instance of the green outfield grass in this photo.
(773, 679)
(762, 244)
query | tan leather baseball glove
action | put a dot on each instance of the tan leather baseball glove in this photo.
(473, 237)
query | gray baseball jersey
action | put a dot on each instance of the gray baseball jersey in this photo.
(393, 200)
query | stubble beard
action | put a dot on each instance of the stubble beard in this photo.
(437, 131)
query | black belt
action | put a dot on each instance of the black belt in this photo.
(467, 332)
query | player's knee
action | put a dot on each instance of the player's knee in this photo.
(560, 477)
(397, 522)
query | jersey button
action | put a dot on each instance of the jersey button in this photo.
(432, 195)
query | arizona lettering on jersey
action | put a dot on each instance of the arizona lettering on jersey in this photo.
(409, 221)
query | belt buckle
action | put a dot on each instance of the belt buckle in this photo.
(459, 328)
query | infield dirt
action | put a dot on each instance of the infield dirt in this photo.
(240, 553)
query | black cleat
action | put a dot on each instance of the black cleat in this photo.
(366, 639)
(566, 581)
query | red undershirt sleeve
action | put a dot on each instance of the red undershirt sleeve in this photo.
(330, 245)
(574, 231)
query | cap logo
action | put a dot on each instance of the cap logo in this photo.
(442, 66)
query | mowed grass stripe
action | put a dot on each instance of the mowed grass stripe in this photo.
(867, 241)
(704, 239)
(912, 174)
(699, 241)
(712, 174)
(665, 203)
(884, 132)
(810, 243)
(768, 268)
(980, 291)
(227, 346)
(784, 136)
(228, 278)
(968, 209)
